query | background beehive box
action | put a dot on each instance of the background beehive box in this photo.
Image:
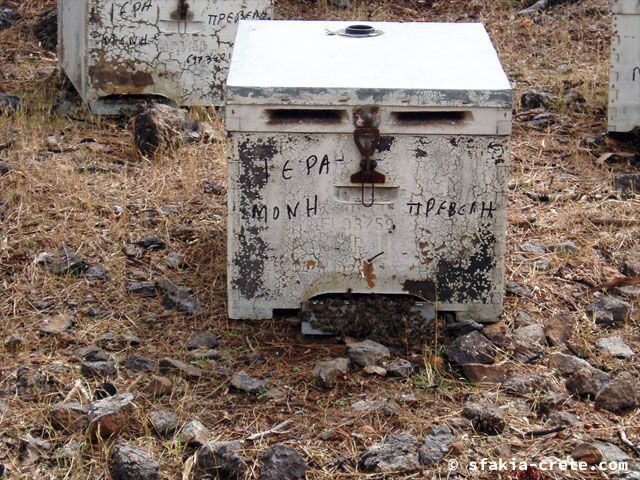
(624, 83)
(114, 48)
(297, 224)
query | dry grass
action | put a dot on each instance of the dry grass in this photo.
(49, 199)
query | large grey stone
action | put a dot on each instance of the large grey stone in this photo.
(587, 382)
(326, 372)
(609, 311)
(368, 353)
(281, 462)
(614, 346)
(620, 394)
(398, 451)
(471, 348)
(129, 462)
(110, 415)
(221, 460)
(436, 445)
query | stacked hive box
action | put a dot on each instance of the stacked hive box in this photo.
(624, 83)
(116, 52)
(366, 159)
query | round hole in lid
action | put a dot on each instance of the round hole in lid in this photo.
(363, 30)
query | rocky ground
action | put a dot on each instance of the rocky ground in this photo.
(118, 360)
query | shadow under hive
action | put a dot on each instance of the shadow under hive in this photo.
(360, 164)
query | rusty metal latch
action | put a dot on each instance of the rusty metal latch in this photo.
(366, 137)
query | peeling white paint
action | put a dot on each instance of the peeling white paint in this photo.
(140, 48)
(624, 81)
(297, 226)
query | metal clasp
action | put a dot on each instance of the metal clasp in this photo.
(366, 137)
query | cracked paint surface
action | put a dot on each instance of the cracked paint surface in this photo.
(144, 48)
(436, 229)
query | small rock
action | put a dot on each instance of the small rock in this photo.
(69, 416)
(164, 422)
(455, 329)
(515, 289)
(30, 381)
(162, 126)
(46, 30)
(67, 262)
(630, 265)
(566, 246)
(614, 347)
(399, 451)
(281, 462)
(627, 183)
(222, 460)
(587, 382)
(609, 311)
(529, 342)
(596, 452)
(471, 348)
(180, 299)
(129, 462)
(7, 17)
(110, 415)
(400, 368)
(542, 121)
(66, 108)
(481, 373)
(563, 419)
(533, 247)
(201, 340)
(327, 372)
(9, 104)
(175, 261)
(497, 333)
(368, 353)
(619, 394)
(98, 369)
(246, 383)
(436, 445)
(172, 365)
(194, 434)
(275, 395)
(532, 99)
(559, 329)
(151, 243)
(4, 168)
(142, 289)
(140, 364)
(158, 386)
(487, 419)
(204, 354)
(211, 187)
(523, 384)
(14, 343)
(550, 402)
(133, 251)
(573, 99)
(386, 406)
(97, 272)
(57, 324)
(92, 353)
(567, 364)
(375, 370)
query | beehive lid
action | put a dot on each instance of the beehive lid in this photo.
(630, 7)
(408, 64)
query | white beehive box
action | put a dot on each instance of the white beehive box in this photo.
(624, 82)
(301, 221)
(117, 51)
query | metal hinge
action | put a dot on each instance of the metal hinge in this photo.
(366, 137)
